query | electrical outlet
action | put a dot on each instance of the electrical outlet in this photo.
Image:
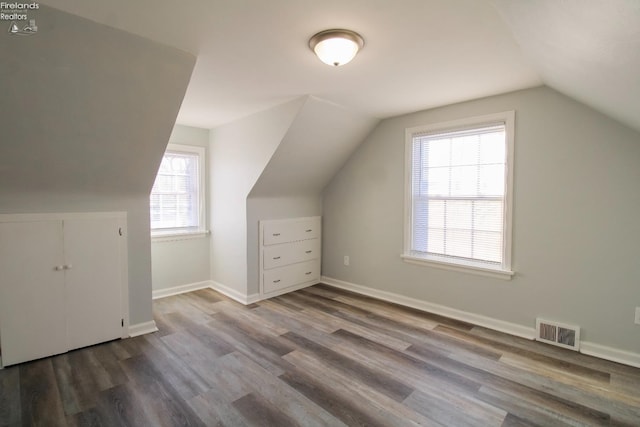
(346, 261)
(637, 315)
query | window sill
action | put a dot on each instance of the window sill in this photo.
(171, 236)
(471, 269)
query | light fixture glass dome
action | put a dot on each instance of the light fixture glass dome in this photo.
(336, 47)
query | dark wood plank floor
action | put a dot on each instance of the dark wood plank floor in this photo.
(316, 357)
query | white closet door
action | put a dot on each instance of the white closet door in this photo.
(32, 291)
(94, 287)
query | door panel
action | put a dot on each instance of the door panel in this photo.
(32, 291)
(93, 275)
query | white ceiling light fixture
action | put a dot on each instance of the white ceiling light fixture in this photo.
(336, 47)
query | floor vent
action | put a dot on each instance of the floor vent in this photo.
(566, 336)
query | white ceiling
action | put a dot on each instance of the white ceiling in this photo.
(587, 49)
(418, 54)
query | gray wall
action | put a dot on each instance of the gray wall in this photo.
(87, 111)
(181, 261)
(318, 142)
(238, 153)
(576, 231)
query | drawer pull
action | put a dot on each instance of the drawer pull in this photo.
(276, 281)
(307, 252)
(309, 230)
(276, 234)
(307, 273)
(276, 257)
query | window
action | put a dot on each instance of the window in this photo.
(177, 202)
(458, 194)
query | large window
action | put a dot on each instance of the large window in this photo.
(458, 194)
(177, 204)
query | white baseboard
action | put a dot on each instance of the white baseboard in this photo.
(588, 348)
(142, 328)
(216, 286)
(233, 294)
(610, 353)
(176, 290)
(253, 298)
(476, 319)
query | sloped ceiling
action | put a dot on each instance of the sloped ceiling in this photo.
(418, 54)
(587, 49)
(254, 54)
(85, 108)
(319, 140)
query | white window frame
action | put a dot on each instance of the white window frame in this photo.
(505, 270)
(178, 233)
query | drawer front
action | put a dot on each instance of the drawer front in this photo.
(289, 253)
(290, 231)
(290, 275)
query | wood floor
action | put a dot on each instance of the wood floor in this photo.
(316, 357)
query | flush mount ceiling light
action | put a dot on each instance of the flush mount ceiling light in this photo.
(336, 47)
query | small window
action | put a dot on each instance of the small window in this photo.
(458, 194)
(177, 202)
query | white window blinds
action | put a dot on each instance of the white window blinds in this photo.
(175, 197)
(458, 190)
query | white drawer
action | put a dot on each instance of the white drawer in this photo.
(289, 253)
(290, 275)
(290, 231)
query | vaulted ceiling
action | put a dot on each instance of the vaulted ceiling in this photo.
(418, 54)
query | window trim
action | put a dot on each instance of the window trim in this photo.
(179, 233)
(506, 270)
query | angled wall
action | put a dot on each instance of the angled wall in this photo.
(576, 237)
(273, 164)
(318, 142)
(238, 153)
(320, 139)
(87, 111)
